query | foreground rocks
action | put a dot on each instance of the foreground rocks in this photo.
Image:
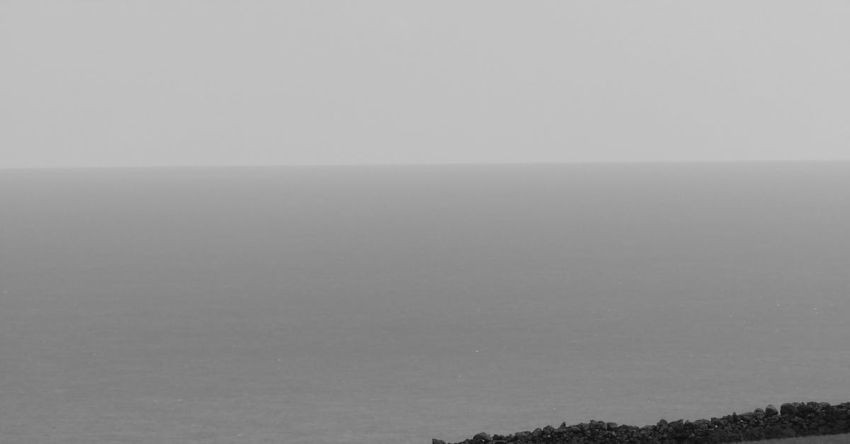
(790, 420)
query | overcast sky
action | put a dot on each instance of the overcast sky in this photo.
(179, 82)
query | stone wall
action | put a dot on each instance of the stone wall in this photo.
(794, 419)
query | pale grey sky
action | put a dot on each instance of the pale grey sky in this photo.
(213, 82)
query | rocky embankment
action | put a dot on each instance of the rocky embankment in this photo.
(790, 420)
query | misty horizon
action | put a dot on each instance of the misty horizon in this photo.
(602, 163)
(377, 221)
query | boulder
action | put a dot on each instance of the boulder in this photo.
(788, 409)
(481, 438)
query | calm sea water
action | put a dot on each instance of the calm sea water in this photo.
(397, 304)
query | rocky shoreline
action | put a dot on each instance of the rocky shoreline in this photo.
(790, 420)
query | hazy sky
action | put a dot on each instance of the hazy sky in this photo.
(148, 82)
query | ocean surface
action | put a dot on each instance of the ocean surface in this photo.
(396, 304)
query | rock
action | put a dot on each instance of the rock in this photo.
(481, 438)
(806, 408)
(793, 419)
(788, 409)
(437, 441)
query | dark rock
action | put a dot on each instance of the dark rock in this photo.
(481, 438)
(437, 441)
(796, 419)
(806, 408)
(537, 433)
(788, 409)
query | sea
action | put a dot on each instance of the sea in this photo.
(396, 304)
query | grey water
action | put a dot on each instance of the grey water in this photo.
(397, 304)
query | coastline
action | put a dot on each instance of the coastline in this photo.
(791, 420)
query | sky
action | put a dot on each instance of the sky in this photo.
(250, 82)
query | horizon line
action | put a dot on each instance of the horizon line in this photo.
(421, 164)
